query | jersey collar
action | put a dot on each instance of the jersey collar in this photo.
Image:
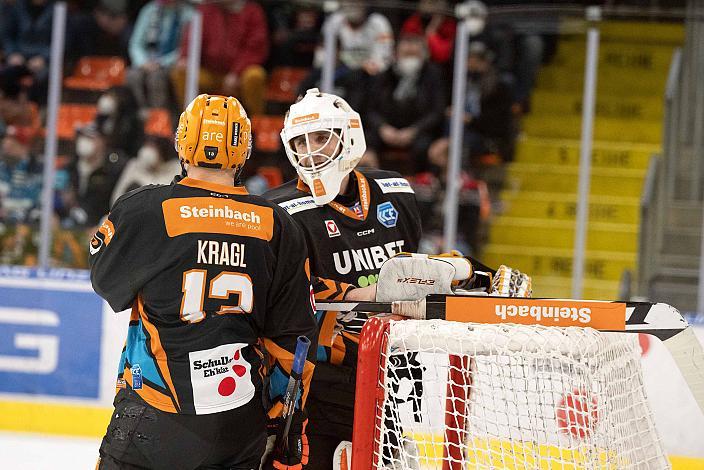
(364, 198)
(218, 188)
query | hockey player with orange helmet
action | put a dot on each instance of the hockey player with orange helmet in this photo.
(212, 275)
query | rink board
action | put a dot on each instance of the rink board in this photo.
(82, 339)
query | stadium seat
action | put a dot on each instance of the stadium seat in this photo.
(72, 116)
(266, 131)
(97, 73)
(158, 123)
(272, 175)
(284, 82)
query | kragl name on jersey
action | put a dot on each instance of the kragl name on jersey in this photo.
(219, 213)
(366, 259)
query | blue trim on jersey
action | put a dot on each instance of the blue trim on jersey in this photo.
(322, 354)
(137, 352)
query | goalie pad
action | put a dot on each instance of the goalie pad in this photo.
(413, 276)
(342, 458)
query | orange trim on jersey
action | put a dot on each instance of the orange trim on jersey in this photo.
(364, 198)
(212, 215)
(338, 350)
(218, 188)
(108, 231)
(276, 410)
(153, 397)
(285, 359)
(327, 329)
(157, 349)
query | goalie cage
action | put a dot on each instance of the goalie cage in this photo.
(500, 396)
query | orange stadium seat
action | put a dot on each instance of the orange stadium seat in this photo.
(158, 123)
(266, 131)
(97, 73)
(272, 175)
(284, 82)
(72, 116)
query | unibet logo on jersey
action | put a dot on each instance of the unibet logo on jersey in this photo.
(220, 378)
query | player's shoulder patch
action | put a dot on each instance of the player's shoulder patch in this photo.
(298, 204)
(395, 184)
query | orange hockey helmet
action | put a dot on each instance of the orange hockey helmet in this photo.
(214, 132)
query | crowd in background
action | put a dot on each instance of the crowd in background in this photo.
(393, 65)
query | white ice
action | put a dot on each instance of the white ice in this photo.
(44, 452)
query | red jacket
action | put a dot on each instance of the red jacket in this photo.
(232, 41)
(440, 43)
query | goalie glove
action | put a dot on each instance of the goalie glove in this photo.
(292, 455)
(413, 276)
(509, 282)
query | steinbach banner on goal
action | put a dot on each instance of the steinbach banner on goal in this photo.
(532, 396)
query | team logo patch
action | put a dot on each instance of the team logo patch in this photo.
(331, 226)
(221, 378)
(387, 214)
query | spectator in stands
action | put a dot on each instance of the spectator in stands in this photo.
(474, 204)
(20, 175)
(156, 163)
(26, 39)
(365, 44)
(234, 49)
(154, 49)
(295, 27)
(408, 104)
(105, 32)
(489, 130)
(431, 21)
(94, 173)
(119, 121)
(16, 107)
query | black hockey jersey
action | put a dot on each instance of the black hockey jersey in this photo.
(211, 273)
(347, 244)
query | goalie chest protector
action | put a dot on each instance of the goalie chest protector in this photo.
(348, 240)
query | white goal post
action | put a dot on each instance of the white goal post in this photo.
(482, 391)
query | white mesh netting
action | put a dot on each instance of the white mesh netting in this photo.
(459, 395)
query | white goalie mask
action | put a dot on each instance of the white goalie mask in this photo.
(324, 141)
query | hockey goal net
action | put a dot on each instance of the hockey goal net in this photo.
(435, 394)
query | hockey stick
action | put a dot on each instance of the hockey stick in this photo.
(657, 319)
(294, 385)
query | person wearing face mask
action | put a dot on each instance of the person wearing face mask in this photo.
(408, 106)
(365, 46)
(489, 123)
(431, 21)
(235, 46)
(118, 120)
(156, 163)
(20, 175)
(94, 173)
(154, 49)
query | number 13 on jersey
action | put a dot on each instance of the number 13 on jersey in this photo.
(221, 287)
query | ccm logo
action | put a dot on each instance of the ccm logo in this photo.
(365, 232)
(415, 280)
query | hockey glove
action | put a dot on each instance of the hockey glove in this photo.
(293, 454)
(413, 276)
(509, 282)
